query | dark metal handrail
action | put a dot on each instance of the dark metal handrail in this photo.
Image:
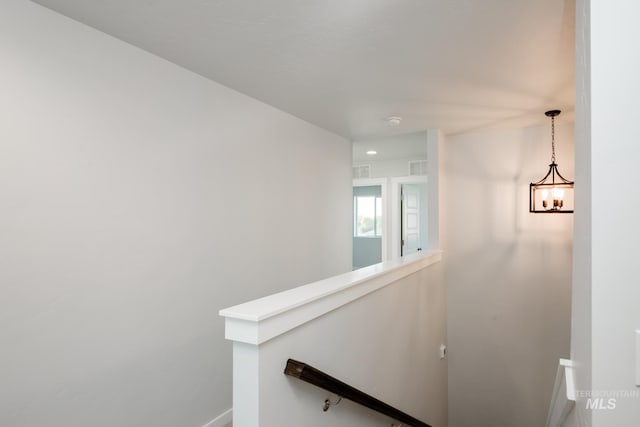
(318, 378)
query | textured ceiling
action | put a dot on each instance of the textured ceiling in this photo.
(345, 65)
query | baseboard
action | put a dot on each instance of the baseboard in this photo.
(221, 420)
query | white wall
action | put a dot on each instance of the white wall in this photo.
(508, 274)
(390, 168)
(605, 312)
(137, 200)
(615, 203)
(394, 153)
(581, 288)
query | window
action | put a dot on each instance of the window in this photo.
(367, 215)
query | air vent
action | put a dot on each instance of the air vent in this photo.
(361, 171)
(417, 167)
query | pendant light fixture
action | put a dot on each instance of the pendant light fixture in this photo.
(553, 193)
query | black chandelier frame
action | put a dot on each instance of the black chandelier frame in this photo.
(553, 180)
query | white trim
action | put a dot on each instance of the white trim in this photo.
(435, 138)
(563, 399)
(221, 420)
(258, 321)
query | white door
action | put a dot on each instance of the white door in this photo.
(412, 225)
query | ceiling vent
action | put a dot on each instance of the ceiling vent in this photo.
(361, 171)
(417, 167)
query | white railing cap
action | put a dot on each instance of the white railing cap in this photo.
(257, 321)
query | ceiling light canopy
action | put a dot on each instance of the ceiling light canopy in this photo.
(393, 120)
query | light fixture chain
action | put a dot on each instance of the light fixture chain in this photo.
(553, 140)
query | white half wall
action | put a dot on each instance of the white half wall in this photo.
(508, 275)
(137, 200)
(378, 329)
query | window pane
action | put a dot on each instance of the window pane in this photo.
(365, 209)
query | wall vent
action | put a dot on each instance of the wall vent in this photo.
(361, 171)
(417, 167)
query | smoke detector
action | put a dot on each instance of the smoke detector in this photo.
(393, 120)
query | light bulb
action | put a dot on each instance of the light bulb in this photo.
(558, 193)
(545, 195)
